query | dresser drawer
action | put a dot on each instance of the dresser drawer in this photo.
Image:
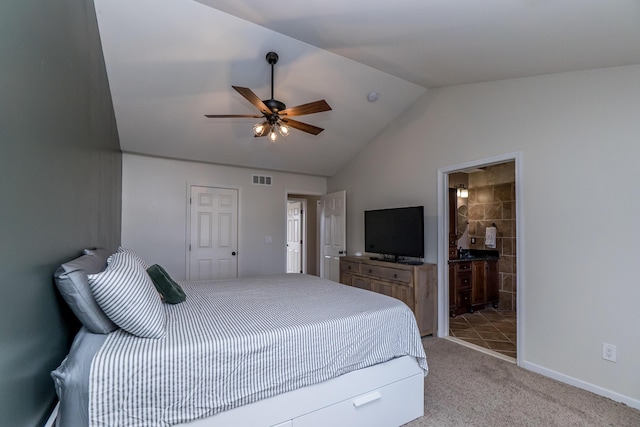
(394, 274)
(371, 270)
(402, 276)
(349, 266)
(361, 282)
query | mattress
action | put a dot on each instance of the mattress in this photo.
(234, 342)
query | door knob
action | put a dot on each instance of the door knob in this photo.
(233, 253)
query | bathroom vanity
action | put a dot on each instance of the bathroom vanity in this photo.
(473, 281)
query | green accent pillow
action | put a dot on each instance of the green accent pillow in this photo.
(171, 292)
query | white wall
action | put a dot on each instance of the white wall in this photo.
(154, 210)
(579, 135)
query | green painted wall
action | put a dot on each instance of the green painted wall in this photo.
(60, 186)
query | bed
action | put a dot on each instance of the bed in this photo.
(278, 350)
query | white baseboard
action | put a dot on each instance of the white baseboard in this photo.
(629, 401)
(51, 422)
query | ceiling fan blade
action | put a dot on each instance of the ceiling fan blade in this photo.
(253, 98)
(302, 126)
(227, 116)
(310, 108)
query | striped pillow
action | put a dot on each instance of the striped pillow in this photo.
(128, 297)
(135, 255)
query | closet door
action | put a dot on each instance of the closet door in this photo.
(213, 233)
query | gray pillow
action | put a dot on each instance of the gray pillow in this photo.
(73, 284)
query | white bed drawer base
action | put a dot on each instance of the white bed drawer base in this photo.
(400, 383)
(391, 405)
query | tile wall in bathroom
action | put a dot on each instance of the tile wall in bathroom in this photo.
(492, 200)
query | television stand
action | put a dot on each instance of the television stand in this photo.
(415, 285)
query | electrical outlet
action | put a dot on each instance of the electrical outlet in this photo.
(609, 352)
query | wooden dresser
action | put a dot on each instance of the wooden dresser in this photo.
(415, 285)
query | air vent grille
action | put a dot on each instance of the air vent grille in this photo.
(261, 180)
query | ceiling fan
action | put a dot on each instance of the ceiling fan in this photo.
(275, 113)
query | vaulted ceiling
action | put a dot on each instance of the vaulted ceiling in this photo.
(170, 62)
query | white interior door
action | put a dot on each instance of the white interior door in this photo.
(213, 234)
(294, 237)
(333, 235)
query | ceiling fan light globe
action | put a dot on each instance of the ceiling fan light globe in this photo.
(259, 129)
(284, 130)
(273, 136)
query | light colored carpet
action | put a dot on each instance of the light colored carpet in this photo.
(465, 387)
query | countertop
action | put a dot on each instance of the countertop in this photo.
(476, 255)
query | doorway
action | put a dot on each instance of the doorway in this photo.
(309, 233)
(296, 230)
(493, 200)
(323, 233)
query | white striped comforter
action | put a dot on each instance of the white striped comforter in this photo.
(237, 341)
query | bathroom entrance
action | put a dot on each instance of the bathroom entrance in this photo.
(480, 263)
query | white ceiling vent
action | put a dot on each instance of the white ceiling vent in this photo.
(260, 180)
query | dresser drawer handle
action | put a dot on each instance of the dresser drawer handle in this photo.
(370, 270)
(367, 398)
(349, 268)
(395, 275)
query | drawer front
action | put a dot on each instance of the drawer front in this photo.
(350, 266)
(463, 280)
(464, 298)
(402, 276)
(391, 405)
(403, 293)
(361, 282)
(346, 278)
(394, 274)
(371, 270)
(463, 266)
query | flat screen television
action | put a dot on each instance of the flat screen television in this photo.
(397, 232)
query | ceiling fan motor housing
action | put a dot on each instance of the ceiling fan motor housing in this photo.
(272, 58)
(274, 105)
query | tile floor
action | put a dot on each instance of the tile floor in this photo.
(490, 328)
